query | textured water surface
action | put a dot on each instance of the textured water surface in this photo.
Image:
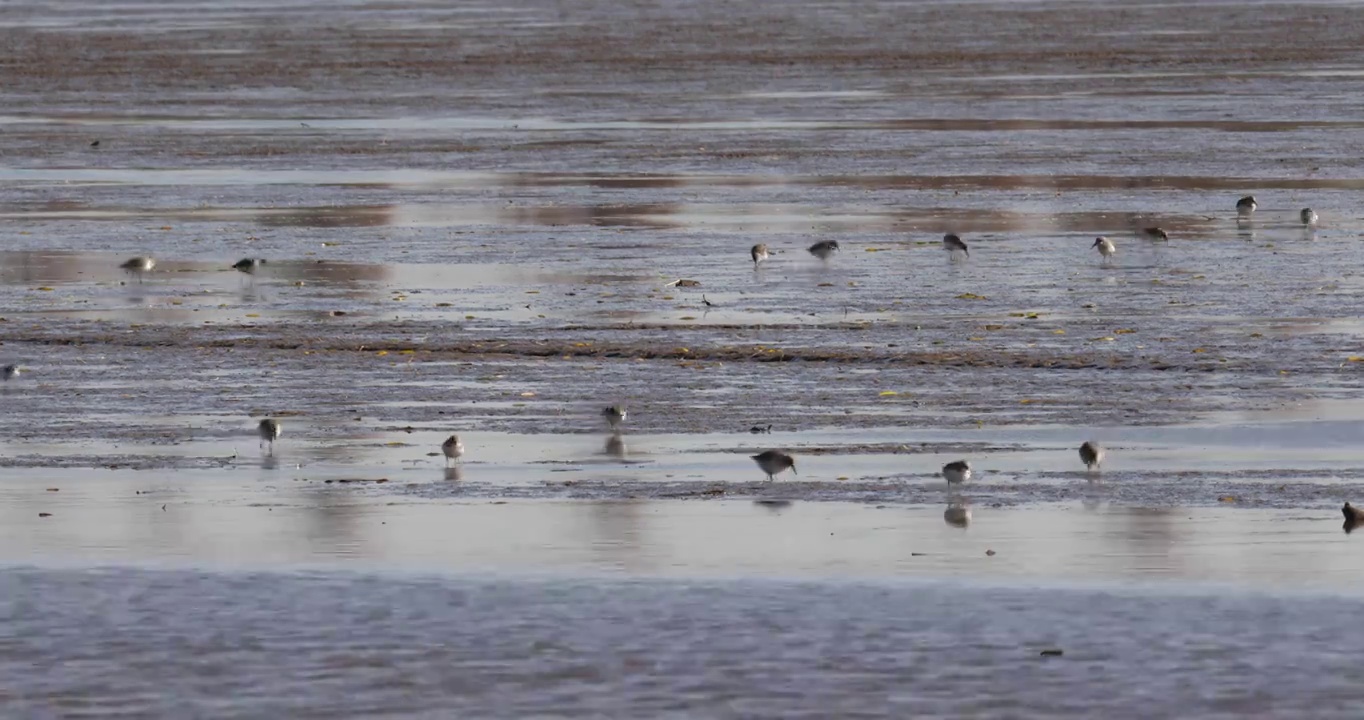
(243, 645)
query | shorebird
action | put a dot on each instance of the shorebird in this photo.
(452, 448)
(248, 265)
(773, 462)
(1105, 246)
(269, 430)
(759, 254)
(761, 429)
(954, 245)
(615, 415)
(825, 249)
(1353, 516)
(1308, 216)
(1154, 233)
(956, 472)
(1091, 454)
(10, 372)
(1246, 205)
(138, 265)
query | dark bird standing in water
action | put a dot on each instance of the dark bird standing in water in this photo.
(758, 253)
(1091, 454)
(615, 415)
(773, 462)
(824, 250)
(1246, 205)
(1154, 233)
(956, 472)
(269, 431)
(248, 265)
(138, 266)
(955, 245)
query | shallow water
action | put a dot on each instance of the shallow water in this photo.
(473, 216)
(316, 646)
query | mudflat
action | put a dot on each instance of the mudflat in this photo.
(473, 218)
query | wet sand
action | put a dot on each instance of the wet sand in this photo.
(473, 216)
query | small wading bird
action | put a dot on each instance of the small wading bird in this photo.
(1105, 247)
(1246, 205)
(138, 266)
(1308, 216)
(1154, 233)
(248, 265)
(1091, 454)
(452, 448)
(615, 415)
(1353, 516)
(10, 372)
(956, 472)
(824, 250)
(954, 245)
(758, 253)
(773, 462)
(269, 430)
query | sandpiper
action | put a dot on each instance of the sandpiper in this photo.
(138, 266)
(1154, 233)
(956, 472)
(10, 372)
(452, 448)
(615, 415)
(954, 245)
(824, 249)
(1105, 246)
(248, 265)
(1353, 516)
(773, 462)
(1246, 205)
(269, 430)
(758, 253)
(1308, 216)
(1091, 454)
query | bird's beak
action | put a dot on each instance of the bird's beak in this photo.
(793, 469)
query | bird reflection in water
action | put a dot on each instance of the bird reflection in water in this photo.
(615, 446)
(775, 506)
(957, 514)
(454, 473)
